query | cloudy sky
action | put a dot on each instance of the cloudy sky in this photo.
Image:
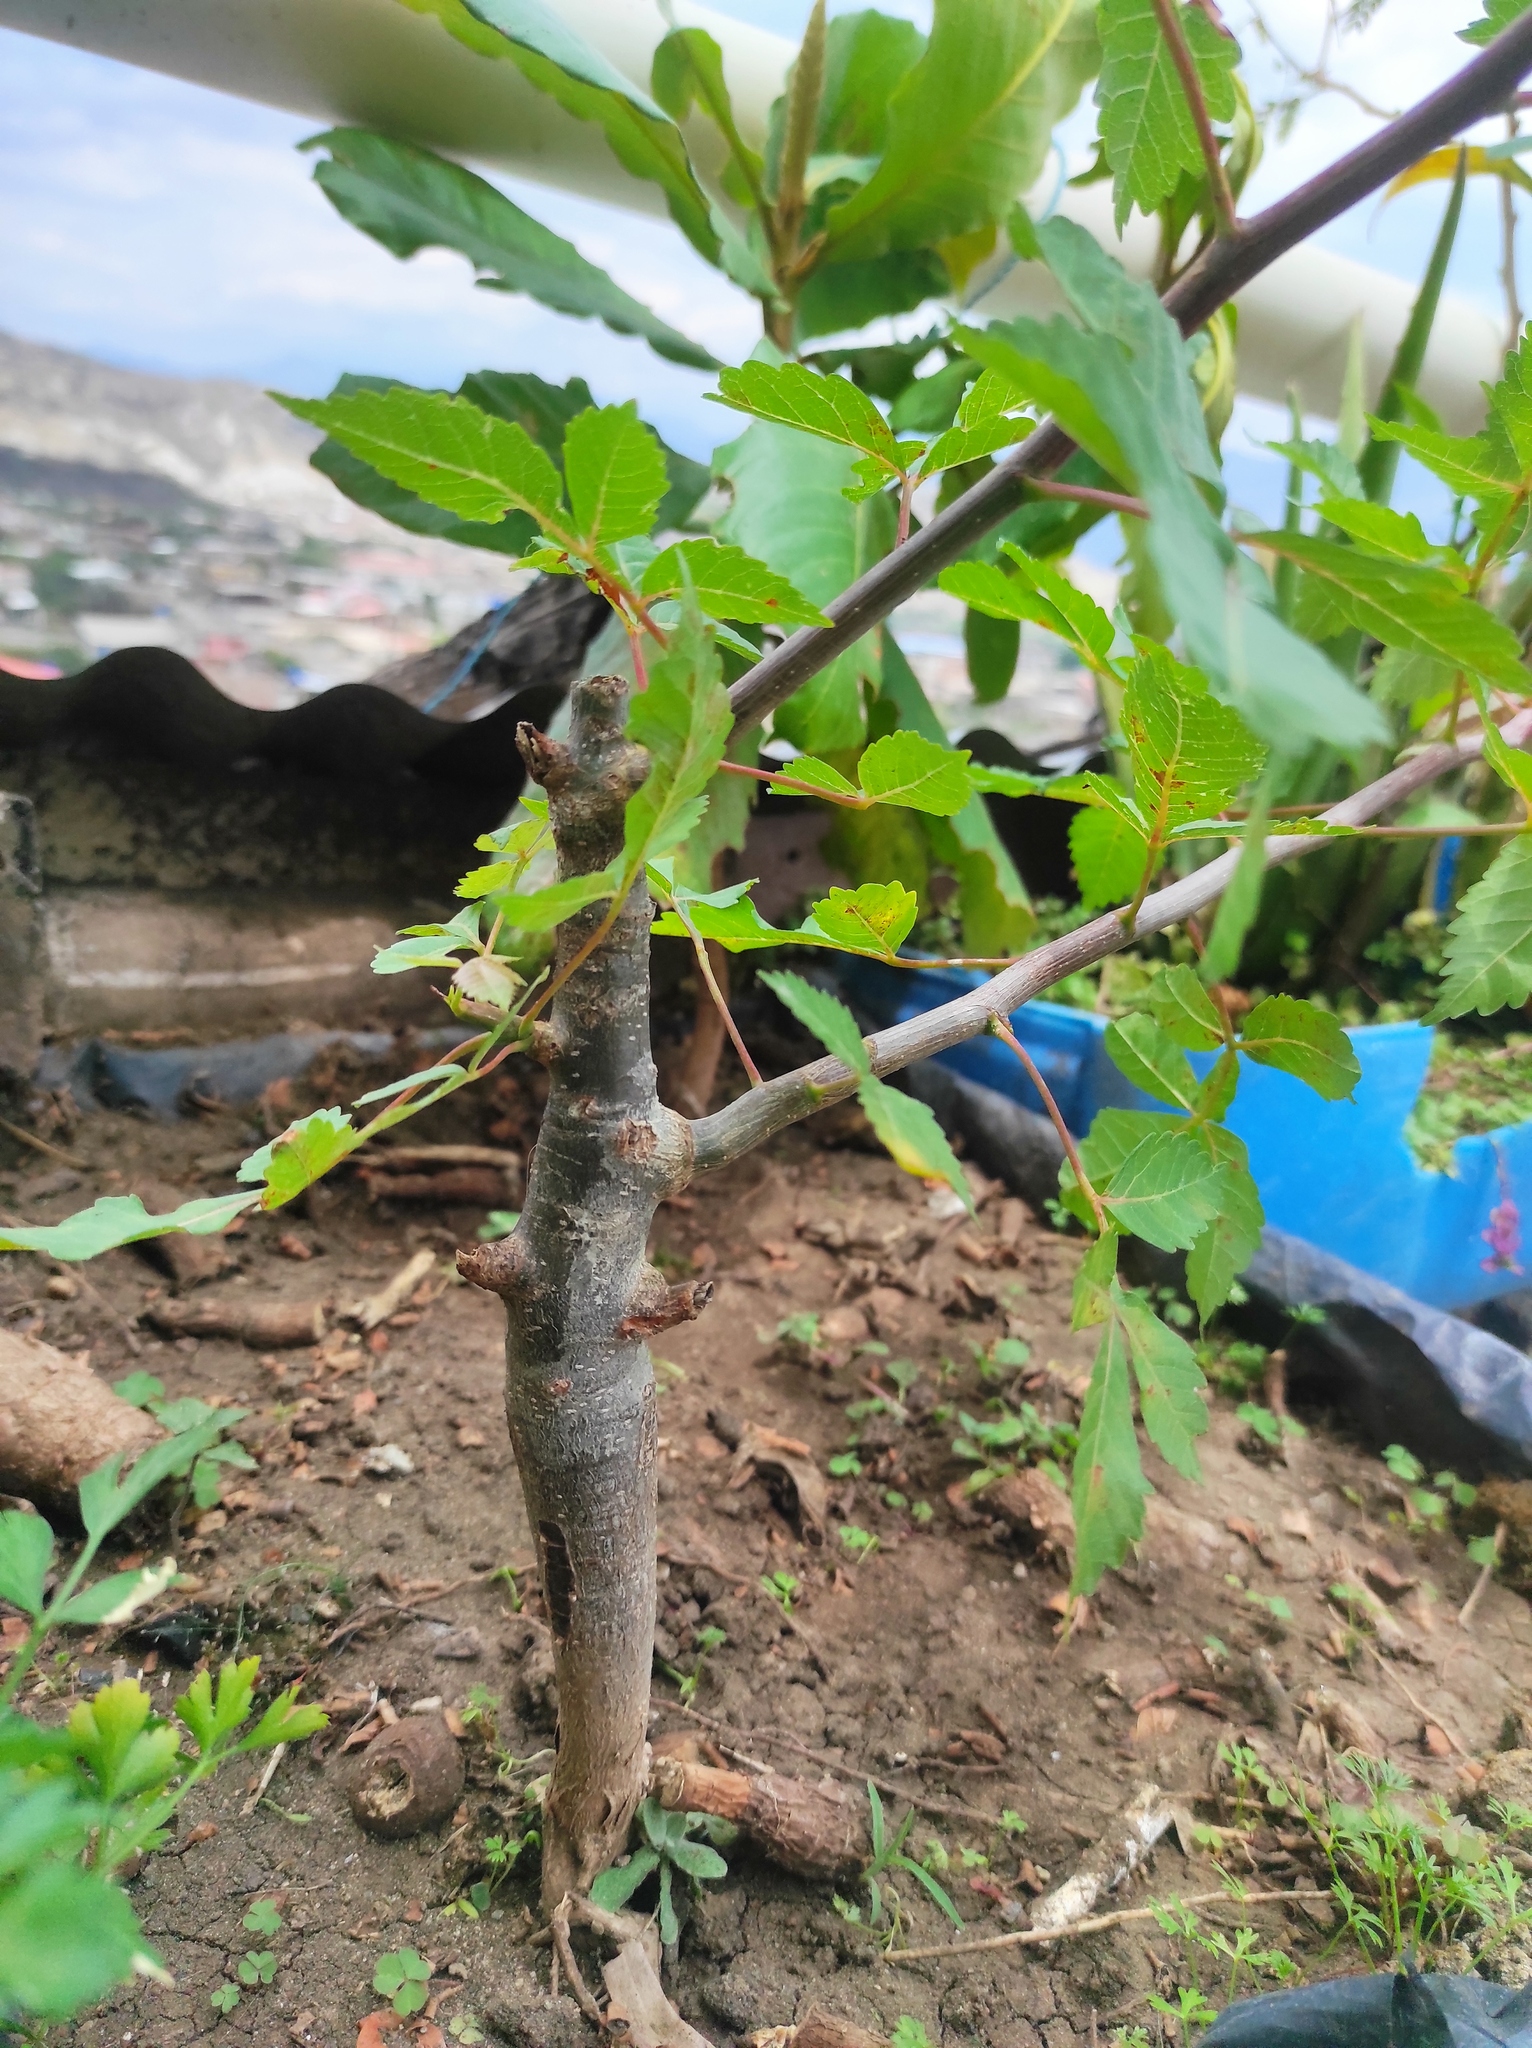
(163, 226)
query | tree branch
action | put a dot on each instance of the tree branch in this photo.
(1168, 14)
(1482, 86)
(731, 1132)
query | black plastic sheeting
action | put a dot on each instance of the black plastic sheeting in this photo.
(1404, 2011)
(147, 700)
(1403, 1372)
(102, 1074)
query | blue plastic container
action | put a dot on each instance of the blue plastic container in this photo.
(1336, 1173)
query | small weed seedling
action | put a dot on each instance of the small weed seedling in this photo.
(1238, 1958)
(783, 1588)
(1423, 1503)
(256, 1966)
(908, 2033)
(1268, 1429)
(403, 1976)
(888, 1854)
(205, 1478)
(859, 1543)
(667, 1848)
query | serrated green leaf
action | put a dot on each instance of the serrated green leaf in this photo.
(1166, 1191)
(410, 199)
(1170, 1383)
(1230, 1241)
(1190, 754)
(866, 56)
(285, 1721)
(1218, 1087)
(819, 775)
(909, 1131)
(553, 57)
(1036, 592)
(825, 1015)
(729, 584)
(1109, 1484)
(1406, 605)
(992, 648)
(968, 126)
(1152, 1060)
(541, 910)
(1181, 1006)
(1383, 531)
(209, 1718)
(302, 1154)
(877, 917)
(1333, 466)
(1489, 943)
(997, 781)
(687, 70)
(1147, 128)
(122, 1219)
(904, 768)
(683, 719)
(1470, 467)
(614, 474)
(967, 444)
(832, 407)
(26, 1551)
(1107, 849)
(444, 450)
(1288, 1033)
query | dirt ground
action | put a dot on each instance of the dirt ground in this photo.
(933, 1662)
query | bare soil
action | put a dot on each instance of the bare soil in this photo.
(933, 1663)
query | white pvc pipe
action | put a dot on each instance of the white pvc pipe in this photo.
(374, 63)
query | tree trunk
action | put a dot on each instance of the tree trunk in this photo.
(580, 1299)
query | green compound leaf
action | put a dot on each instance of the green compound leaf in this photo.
(904, 768)
(302, 1154)
(1406, 605)
(911, 1134)
(1152, 1060)
(410, 199)
(876, 918)
(123, 1219)
(558, 61)
(614, 473)
(1109, 1484)
(1498, 14)
(729, 584)
(1147, 128)
(1489, 944)
(1095, 1277)
(26, 1551)
(1170, 1383)
(1286, 1032)
(791, 395)
(209, 1719)
(443, 449)
(825, 1015)
(684, 720)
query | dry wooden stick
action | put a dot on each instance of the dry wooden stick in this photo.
(948, 1809)
(1034, 1937)
(1465, 1616)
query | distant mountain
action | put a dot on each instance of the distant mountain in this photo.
(220, 440)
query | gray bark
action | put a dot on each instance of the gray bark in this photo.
(580, 1299)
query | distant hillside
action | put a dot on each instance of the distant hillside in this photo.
(220, 440)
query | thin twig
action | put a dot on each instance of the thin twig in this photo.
(1034, 1937)
(40, 1145)
(705, 969)
(1087, 494)
(564, 1953)
(1465, 1616)
(1002, 1029)
(265, 1780)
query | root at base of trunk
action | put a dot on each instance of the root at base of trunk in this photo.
(812, 1830)
(58, 1421)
